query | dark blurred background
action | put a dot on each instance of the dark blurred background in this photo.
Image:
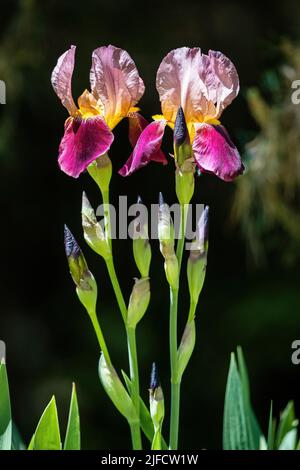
(251, 295)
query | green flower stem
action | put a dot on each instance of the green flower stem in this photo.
(131, 337)
(100, 336)
(116, 287)
(175, 381)
(107, 221)
(135, 390)
(175, 389)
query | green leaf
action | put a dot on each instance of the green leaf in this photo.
(5, 411)
(72, 439)
(271, 429)
(287, 423)
(289, 441)
(235, 429)
(145, 418)
(17, 441)
(255, 433)
(47, 435)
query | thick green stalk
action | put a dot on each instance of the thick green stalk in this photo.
(135, 389)
(175, 391)
(175, 381)
(100, 336)
(131, 339)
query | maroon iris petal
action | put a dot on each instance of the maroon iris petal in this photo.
(147, 148)
(215, 153)
(83, 141)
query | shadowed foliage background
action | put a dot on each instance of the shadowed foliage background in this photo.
(50, 342)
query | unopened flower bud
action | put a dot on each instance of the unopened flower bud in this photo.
(182, 144)
(84, 280)
(116, 390)
(141, 245)
(93, 232)
(196, 267)
(138, 302)
(166, 239)
(172, 270)
(165, 227)
(186, 347)
(157, 407)
(185, 166)
(101, 171)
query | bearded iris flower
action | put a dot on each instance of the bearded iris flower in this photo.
(203, 86)
(116, 88)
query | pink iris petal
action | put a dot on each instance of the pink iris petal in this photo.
(115, 81)
(222, 81)
(147, 147)
(178, 84)
(61, 79)
(83, 141)
(215, 153)
(137, 123)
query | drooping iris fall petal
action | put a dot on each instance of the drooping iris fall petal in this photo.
(115, 81)
(137, 123)
(83, 141)
(147, 147)
(215, 153)
(61, 79)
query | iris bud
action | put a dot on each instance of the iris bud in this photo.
(184, 177)
(116, 390)
(101, 171)
(186, 347)
(166, 239)
(182, 144)
(138, 302)
(196, 267)
(141, 245)
(157, 407)
(93, 232)
(84, 280)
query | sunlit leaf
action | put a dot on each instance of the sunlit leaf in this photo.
(47, 434)
(254, 430)
(72, 439)
(287, 423)
(235, 429)
(289, 441)
(5, 411)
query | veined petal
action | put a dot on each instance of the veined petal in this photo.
(83, 141)
(137, 123)
(178, 84)
(222, 80)
(215, 153)
(147, 147)
(115, 81)
(61, 79)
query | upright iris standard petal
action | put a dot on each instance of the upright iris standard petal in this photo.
(215, 153)
(137, 123)
(178, 84)
(61, 79)
(147, 146)
(115, 82)
(83, 141)
(226, 80)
